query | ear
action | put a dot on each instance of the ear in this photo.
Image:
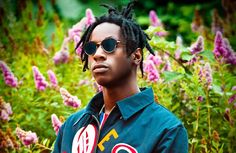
(137, 56)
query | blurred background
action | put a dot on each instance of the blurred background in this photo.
(176, 15)
(195, 75)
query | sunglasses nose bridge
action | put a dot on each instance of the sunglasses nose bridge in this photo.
(99, 51)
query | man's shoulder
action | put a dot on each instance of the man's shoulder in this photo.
(163, 116)
(73, 118)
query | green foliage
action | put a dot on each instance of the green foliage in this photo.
(24, 43)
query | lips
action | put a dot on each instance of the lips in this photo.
(99, 68)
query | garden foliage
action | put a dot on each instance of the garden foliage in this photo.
(42, 83)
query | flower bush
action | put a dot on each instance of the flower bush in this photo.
(195, 81)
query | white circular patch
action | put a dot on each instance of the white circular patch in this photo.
(84, 140)
(124, 147)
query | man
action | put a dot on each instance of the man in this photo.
(122, 118)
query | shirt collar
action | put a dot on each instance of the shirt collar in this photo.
(128, 106)
(131, 105)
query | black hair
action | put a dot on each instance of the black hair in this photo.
(132, 33)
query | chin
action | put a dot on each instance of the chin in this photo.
(102, 81)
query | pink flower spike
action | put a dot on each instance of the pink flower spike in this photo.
(62, 56)
(151, 71)
(89, 17)
(233, 88)
(77, 29)
(205, 75)
(52, 78)
(7, 107)
(232, 99)
(198, 46)
(26, 137)
(40, 82)
(9, 77)
(219, 45)
(70, 100)
(4, 115)
(154, 20)
(156, 59)
(179, 44)
(56, 123)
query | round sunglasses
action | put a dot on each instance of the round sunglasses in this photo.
(108, 45)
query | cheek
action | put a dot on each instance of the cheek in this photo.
(121, 64)
(90, 61)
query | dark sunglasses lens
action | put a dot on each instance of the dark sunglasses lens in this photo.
(109, 44)
(90, 48)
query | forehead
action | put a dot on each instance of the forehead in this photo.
(105, 30)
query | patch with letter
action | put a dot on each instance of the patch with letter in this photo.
(85, 140)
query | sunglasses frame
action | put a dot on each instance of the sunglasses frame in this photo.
(97, 44)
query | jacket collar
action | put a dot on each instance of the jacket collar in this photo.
(128, 106)
(131, 105)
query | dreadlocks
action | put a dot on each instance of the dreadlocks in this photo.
(132, 33)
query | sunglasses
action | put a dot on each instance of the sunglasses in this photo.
(108, 45)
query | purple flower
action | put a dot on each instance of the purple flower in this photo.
(156, 59)
(56, 123)
(62, 56)
(198, 46)
(232, 99)
(4, 115)
(89, 17)
(151, 71)
(167, 66)
(179, 44)
(70, 100)
(230, 57)
(39, 80)
(84, 82)
(5, 110)
(7, 107)
(223, 51)
(205, 75)
(52, 78)
(208, 74)
(9, 77)
(154, 20)
(217, 22)
(233, 88)
(76, 31)
(200, 98)
(197, 23)
(26, 137)
(79, 48)
(219, 47)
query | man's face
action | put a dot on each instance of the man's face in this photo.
(109, 69)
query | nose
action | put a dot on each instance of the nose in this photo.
(99, 54)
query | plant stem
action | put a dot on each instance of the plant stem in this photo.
(197, 117)
(208, 112)
(42, 146)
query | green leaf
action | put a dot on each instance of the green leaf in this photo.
(186, 56)
(170, 76)
(208, 54)
(217, 89)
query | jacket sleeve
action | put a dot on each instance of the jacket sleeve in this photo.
(57, 144)
(175, 140)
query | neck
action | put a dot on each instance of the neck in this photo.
(114, 94)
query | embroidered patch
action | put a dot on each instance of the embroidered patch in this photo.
(84, 140)
(124, 147)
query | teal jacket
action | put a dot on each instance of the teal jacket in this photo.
(136, 125)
